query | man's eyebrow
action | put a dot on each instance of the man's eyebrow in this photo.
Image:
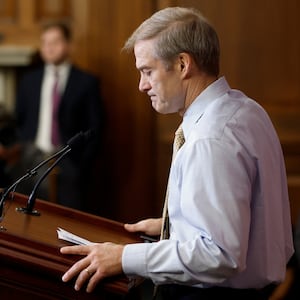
(140, 67)
(143, 68)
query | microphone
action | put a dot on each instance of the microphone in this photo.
(30, 173)
(79, 139)
(4, 194)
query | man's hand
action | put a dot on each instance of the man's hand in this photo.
(149, 226)
(103, 260)
(100, 261)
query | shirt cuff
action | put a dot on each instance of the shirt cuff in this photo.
(134, 259)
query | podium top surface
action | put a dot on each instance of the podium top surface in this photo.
(32, 240)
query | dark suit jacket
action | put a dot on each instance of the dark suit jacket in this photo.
(80, 108)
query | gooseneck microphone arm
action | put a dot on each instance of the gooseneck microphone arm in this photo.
(31, 200)
(10, 188)
(30, 173)
(76, 140)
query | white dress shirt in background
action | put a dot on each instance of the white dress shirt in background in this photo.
(43, 138)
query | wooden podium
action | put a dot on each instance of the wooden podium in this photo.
(31, 265)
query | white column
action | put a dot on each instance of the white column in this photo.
(12, 57)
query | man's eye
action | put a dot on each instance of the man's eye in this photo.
(147, 72)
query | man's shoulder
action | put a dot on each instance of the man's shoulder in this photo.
(33, 72)
(32, 76)
(83, 74)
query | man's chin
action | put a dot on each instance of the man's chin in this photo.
(160, 109)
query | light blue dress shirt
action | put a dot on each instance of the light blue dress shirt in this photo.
(228, 200)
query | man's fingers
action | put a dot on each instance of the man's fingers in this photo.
(94, 280)
(148, 226)
(79, 250)
(102, 260)
(76, 269)
(83, 276)
(142, 226)
(78, 266)
(132, 227)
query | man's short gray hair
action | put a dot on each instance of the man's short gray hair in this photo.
(177, 30)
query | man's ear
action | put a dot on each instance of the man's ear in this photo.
(185, 62)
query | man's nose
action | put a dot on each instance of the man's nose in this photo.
(144, 85)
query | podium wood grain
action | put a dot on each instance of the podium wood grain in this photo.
(31, 265)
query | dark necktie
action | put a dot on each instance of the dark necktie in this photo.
(55, 137)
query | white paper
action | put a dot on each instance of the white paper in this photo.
(70, 237)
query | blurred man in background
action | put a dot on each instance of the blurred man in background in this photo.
(55, 101)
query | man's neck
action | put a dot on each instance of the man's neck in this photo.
(195, 86)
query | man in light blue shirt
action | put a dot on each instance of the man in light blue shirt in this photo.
(228, 206)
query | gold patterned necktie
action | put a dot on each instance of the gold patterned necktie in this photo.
(178, 142)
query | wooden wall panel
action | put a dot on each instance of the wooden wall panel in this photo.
(260, 50)
(53, 9)
(126, 177)
(21, 19)
(128, 157)
(8, 11)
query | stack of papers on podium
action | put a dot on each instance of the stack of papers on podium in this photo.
(70, 237)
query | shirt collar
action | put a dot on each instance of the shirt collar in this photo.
(195, 111)
(62, 69)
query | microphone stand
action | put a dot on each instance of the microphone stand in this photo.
(31, 200)
(73, 142)
(32, 172)
(29, 174)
